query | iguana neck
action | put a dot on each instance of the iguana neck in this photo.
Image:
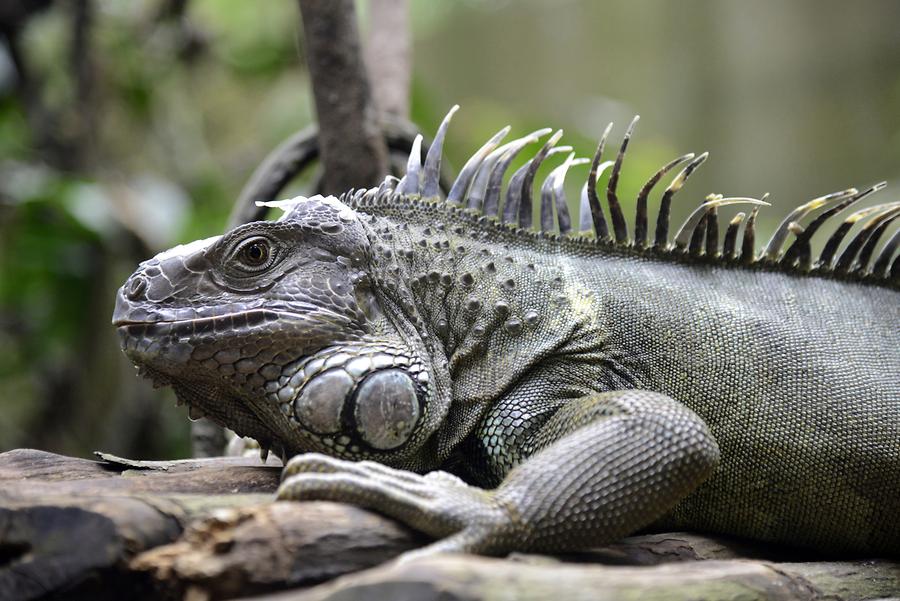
(480, 300)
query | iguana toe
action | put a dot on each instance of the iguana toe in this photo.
(438, 504)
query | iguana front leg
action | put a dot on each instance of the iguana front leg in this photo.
(605, 465)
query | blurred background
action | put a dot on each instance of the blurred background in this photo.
(128, 127)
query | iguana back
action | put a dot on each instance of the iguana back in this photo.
(796, 377)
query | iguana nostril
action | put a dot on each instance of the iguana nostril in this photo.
(136, 288)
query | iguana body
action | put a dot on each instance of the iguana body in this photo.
(583, 388)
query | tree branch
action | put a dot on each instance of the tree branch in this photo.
(297, 153)
(353, 151)
(388, 56)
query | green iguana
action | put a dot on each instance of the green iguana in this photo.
(557, 389)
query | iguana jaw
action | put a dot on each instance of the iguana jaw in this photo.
(224, 382)
(357, 399)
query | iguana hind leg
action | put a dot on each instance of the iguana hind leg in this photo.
(604, 465)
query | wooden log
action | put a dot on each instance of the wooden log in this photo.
(208, 529)
(66, 522)
(287, 545)
(250, 550)
(467, 578)
(39, 472)
(73, 525)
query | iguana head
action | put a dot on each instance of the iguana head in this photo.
(277, 330)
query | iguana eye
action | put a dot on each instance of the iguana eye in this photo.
(254, 254)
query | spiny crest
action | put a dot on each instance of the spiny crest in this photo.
(477, 191)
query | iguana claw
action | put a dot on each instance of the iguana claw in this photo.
(438, 504)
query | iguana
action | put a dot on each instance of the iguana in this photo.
(501, 387)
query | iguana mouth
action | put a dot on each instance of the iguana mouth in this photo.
(134, 309)
(198, 326)
(249, 318)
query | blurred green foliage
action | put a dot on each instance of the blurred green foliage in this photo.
(143, 137)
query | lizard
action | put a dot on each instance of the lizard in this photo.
(502, 385)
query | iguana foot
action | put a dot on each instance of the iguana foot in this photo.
(467, 519)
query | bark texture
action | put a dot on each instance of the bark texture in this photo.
(209, 529)
(464, 578)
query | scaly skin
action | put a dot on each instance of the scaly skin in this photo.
(578, 390)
